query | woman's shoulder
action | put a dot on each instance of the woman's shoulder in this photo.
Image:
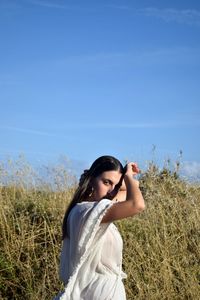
(81, 208)
(92, 203)
(89, 205)
(85, 208)
(84, 205)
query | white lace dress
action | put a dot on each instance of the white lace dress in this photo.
(91, 260)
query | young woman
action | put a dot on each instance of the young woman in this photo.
(91, 257)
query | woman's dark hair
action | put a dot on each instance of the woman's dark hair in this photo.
(100, 165)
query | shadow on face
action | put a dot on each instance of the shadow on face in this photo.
(121, 194)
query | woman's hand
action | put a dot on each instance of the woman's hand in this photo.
(132, 170)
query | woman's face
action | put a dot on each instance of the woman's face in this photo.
(105, 185)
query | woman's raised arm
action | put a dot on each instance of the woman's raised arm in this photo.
(134, 202)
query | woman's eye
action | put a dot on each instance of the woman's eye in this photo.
(106, 182)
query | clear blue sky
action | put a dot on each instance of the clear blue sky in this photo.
(88, 78)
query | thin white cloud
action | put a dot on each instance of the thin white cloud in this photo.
(187, 16)
(131, 125)
(190, 170)
(7, 152)
(127, 125)
(29, 131)
(184, 16)
(49, 4)
(160, 56)
(115, 6)
(9, 8)
(117, 125)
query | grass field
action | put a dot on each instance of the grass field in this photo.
(161, 246)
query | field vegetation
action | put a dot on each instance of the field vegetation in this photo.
(161, 246)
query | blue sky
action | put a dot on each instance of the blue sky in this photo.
(86, 78)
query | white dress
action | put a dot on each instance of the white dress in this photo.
(91, 259)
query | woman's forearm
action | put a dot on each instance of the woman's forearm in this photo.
(133, 192)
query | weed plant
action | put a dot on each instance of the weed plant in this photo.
(161, 246)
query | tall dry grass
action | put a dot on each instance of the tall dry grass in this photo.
(161, 246)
